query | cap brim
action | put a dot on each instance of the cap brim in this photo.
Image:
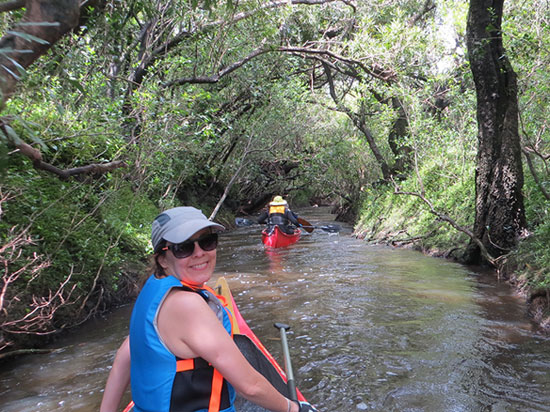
(183, 232)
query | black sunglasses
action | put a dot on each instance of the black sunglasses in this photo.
(185, 249)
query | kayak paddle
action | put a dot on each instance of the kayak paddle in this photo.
(308, 227)
(292, 394)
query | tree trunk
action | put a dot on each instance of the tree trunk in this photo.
(500, 216)
(62, 16)
(396, 139)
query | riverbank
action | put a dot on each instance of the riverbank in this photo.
(515, 271)
(518, 274)
(405, 227)
(404, 219)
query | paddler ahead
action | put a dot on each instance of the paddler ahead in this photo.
(279, 214)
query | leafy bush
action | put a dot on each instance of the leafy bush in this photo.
(76, 238)
(400, 217)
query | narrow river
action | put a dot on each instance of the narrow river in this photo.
(373, 329)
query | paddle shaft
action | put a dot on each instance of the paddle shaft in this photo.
(288, 365)
(326, 228)
(308, 227)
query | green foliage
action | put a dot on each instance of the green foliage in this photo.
(532, 254)
(445, 148)
(445, 153)
(390, 217)
(86, 101)
(128, 215)
(526, 37)
(533, 260)
(64, 224)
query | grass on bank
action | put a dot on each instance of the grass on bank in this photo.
(70, 250)
(406, 220)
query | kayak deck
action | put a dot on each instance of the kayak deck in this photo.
(275, 237)
(252, 348)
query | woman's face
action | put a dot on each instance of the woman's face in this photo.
(195, 269)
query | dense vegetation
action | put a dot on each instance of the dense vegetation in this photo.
(369, 107)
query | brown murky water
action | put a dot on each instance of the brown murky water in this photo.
(373, 329)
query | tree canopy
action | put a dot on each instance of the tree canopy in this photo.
(112, 111)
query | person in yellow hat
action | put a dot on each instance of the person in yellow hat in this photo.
(279, 214)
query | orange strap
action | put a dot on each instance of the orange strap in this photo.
(183, 365)
(217, 378)
(216, 395)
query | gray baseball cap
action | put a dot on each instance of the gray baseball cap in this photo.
(179, 224)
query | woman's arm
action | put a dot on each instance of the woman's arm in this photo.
(118, 380)
(262, 218)
(205, 337)
(293, 217)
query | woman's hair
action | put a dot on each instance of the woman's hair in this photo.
(154, 265)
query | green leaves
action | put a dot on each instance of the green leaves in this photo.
(208, 4)
(98, 96)
(11, 135)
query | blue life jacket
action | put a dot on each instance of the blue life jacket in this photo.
(162, 382)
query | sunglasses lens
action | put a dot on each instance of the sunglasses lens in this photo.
(208, 242)
(185, 249)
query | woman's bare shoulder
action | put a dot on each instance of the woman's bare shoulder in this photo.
(182, 298)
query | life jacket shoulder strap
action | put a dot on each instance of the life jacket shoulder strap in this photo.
(183, 365)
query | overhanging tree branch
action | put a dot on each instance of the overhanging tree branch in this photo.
(167, 46)
(359, 122)
(36, 156)
(242, 162)
(43, 24)
(376, 71)
(534, 173)
(441, 216)
(429, 5)
(527, 150)
(386, 75)
(216, 77)
(12, 5)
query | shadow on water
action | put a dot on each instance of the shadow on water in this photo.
(373, 329)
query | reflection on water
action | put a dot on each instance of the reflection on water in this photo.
(373, 328)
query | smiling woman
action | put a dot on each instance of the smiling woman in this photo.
(180, 354)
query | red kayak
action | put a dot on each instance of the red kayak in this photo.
(252, 349)
(277, 238)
